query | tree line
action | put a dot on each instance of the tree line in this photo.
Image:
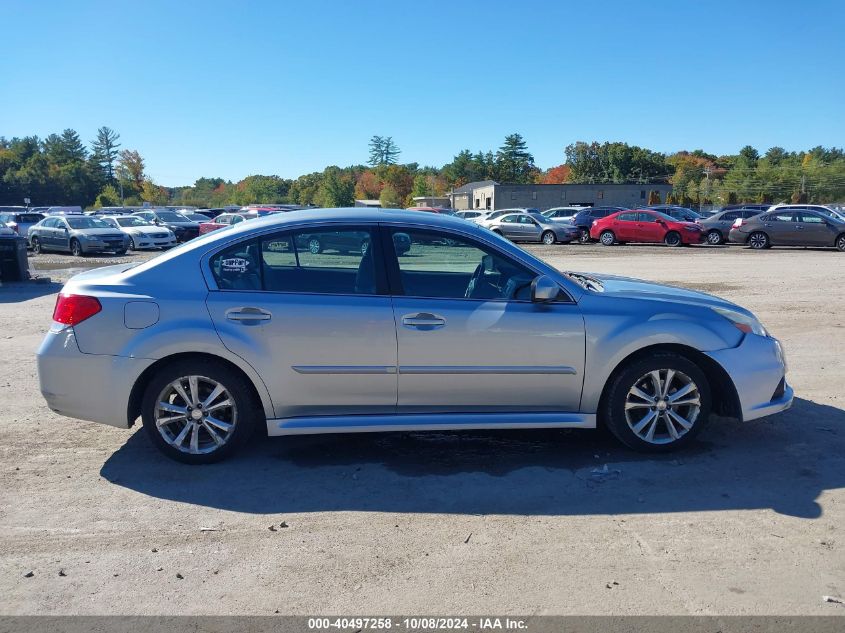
(62, 169)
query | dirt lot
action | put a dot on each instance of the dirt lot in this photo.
(750, 521)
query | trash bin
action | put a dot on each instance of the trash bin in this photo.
(13, 263)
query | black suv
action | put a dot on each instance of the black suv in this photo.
(583, 220)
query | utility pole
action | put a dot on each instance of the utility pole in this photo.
(706, 186)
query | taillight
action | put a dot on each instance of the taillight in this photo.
(73, 309)
(737, 223)
(13, 226)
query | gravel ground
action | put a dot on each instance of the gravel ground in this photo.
(748, 521)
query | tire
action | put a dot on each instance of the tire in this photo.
(672, 238)
(715, 238)
(584, 237)
(365, 246)
(497, 232)
(758, 240)
(132, 246)
(621, 408)
(607, 238)
(36, 246)
(315, 246)
(548, 238)
(120, 253)
(76, 248)
(840, 243)
(176, 438)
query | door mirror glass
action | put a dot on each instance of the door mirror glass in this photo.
(544, 288)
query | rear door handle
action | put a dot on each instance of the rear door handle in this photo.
(248, 315)
(423, 321)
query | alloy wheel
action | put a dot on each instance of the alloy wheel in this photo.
(840, 243)
(607, 238)
(314, 246)
(758, 240)
(75, 248)
(672, 239)
(195, 415)
(662, 406)
(548, 238)
(584, 236)
(36, 245)
(714, 237)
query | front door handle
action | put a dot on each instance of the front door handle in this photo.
(248, 316)
(423, 321)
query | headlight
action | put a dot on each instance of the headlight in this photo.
(743, 322)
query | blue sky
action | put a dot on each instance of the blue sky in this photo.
(235, 88)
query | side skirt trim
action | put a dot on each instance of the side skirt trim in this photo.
(429, 422)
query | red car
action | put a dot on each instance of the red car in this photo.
(645, 226)
(223, 220)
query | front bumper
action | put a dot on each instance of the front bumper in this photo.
(100, 247)
(758, 370)
(151, 242)
(93, 387)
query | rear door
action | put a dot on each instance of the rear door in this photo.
(510, 227)
(317, 327)
(624, 226)
(469, 337)
(782, 228)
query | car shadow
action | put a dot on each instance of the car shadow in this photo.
(16, 292)
(783, 462)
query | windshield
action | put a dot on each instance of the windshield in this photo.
(171, 216)
(664, 216)
(30, 217)
(86, 223)
(196, 217)
(133, 221)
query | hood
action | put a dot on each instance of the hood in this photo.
(145, 230)
(638, 289)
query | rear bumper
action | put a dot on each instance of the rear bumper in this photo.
(736, 236)
(757, 367)
(93, 387)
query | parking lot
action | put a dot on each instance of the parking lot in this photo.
(749, 521)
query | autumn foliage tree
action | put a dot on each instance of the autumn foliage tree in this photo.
(556, 175)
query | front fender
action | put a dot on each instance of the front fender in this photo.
(618, 328)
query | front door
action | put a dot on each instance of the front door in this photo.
(471, 340)
(815, 229)
(648, 228)
(61, 235)
(317, 327)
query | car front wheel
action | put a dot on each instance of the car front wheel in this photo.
(199, 412)
(548, 238)
(36, 245)
(75, 248)
(715, 238)
(672, 239)
(657, 403)
(607, 238)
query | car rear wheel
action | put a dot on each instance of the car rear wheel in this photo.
(75, 248)
(673, 238)
(198, 412)
(314, 246)
(657, 403)
(758, 240)
(548, 238)
(36, 245)
(607, 238)
(584, 236)
(840, 242)
(715, 238)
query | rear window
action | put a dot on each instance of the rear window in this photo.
(30, 218)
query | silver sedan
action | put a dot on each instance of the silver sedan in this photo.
(530, 227)
(246, 328)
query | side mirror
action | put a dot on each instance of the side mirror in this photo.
(543, 289)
